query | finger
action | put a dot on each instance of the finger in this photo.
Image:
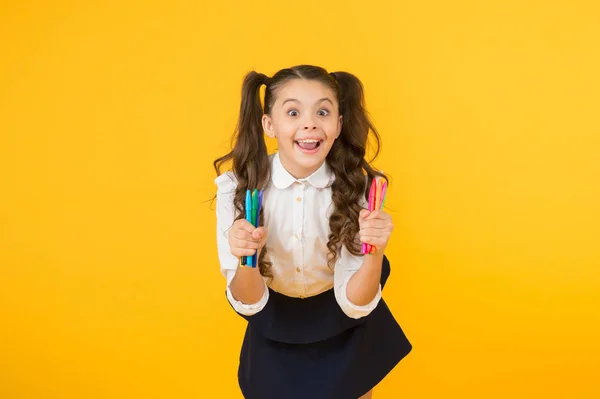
(375, 232)
(259, 233)
(377, 224)
(372, 240)
(364, 213)
(262, 242)
(242, 235)
(244, 244)
(244, 225)
(379, 214)
(373, 215)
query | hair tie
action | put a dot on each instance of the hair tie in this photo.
(332, 74)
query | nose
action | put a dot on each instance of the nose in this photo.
(310, 125)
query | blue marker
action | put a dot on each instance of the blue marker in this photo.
(252, 259)
(247, 260)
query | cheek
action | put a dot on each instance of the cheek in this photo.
(331, 128)
(284, 131)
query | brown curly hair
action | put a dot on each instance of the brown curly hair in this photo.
(346, 158)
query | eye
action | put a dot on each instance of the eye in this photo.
(291, 112)
(323, 112)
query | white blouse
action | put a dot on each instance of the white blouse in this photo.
(296, 213)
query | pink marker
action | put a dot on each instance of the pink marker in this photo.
(366, 248)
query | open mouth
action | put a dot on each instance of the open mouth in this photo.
(308, 145)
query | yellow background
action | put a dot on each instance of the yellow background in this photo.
(112, 112)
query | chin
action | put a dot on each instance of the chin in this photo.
(304, 164)
(312, 164)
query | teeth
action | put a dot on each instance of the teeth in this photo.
(308, 141)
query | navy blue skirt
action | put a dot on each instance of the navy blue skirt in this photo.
(308, 348)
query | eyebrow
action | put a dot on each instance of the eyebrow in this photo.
(298, 101)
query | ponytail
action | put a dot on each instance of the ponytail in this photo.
(356, 124)
(251, 157)
(249, 153)
(347, 160)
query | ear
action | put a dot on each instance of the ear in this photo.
(267, 124)
(339, 127)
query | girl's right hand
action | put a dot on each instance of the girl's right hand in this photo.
(245, 239)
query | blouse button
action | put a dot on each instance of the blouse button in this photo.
(298, 269)
(298, 199)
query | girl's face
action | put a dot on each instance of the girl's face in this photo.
(305, 121)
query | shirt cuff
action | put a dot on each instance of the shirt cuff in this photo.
(244, 308)
(355, 311)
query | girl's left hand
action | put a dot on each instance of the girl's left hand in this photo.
(375, 228)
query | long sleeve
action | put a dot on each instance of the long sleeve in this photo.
(345, 267)
(226, 185)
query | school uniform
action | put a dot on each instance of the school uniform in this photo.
(304, 338)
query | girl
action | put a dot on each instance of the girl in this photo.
(317, 326)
